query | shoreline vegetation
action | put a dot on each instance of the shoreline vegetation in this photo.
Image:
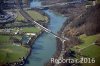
(21, 35)
(83, 30)
(72, 29)
(71, 16)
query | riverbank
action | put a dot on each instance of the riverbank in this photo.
(46, 22)
(23, 35)
(68, 44)
(32, 40)
(85, 33)
(89, 36)
(59, 44)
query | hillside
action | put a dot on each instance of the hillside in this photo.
(87, 29)
(89, 23)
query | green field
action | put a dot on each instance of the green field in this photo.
(87, 48)
(37, 16)
(12, 53)
(4, 39)
(86, 41)
(18, 37)
(19, 17)
(31, 30)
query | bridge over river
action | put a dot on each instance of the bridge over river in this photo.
(30, 19)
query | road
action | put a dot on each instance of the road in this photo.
(30, 19)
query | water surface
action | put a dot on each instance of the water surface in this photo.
(45, 46)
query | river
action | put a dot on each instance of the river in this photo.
(45, 46)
